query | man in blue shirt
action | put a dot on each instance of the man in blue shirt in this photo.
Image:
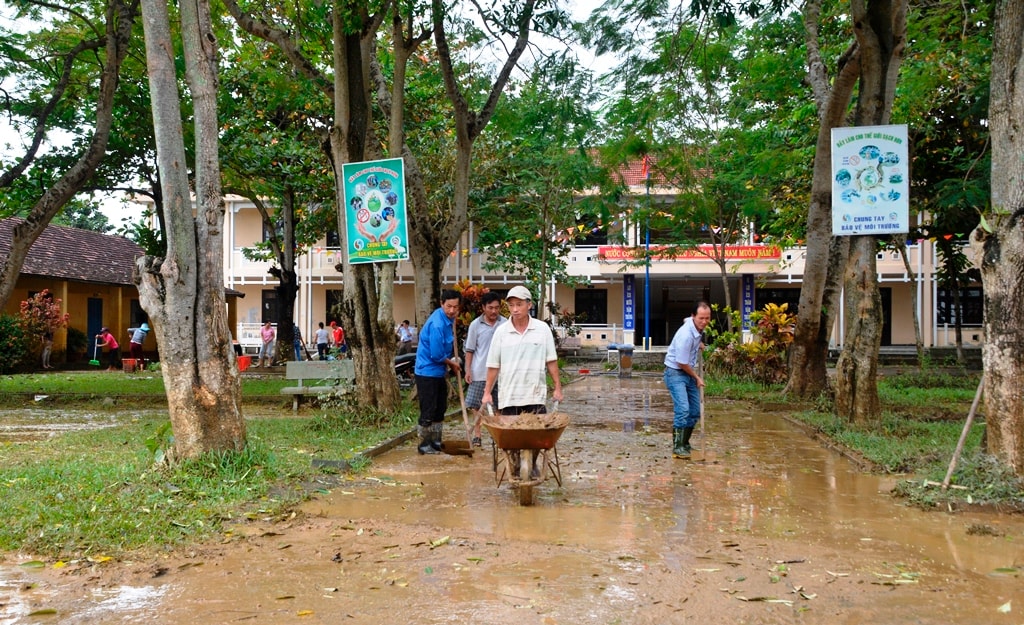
(681, 378)
(434, 357)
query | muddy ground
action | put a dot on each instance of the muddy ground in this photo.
(762, 526)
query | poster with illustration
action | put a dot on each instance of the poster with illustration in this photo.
(376, 215)
(870, 183)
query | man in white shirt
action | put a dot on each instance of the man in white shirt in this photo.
(478, 343)
(682, 380)
(521, 352)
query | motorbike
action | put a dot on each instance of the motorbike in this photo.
(405, 365)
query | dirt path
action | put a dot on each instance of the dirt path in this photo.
(768, 528)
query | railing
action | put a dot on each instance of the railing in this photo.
(248, 334)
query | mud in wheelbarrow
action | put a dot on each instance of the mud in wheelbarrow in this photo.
(525, 451)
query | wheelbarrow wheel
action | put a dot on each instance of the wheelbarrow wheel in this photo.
(525, 487)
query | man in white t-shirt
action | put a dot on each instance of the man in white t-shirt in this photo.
(478, 344)
(521, 352)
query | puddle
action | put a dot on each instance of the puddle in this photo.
(763, 525)
(40, 424)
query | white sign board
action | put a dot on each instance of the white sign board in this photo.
(870, 181)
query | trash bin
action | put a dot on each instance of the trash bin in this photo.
(128, 364)
(625, 361)
(243, 363)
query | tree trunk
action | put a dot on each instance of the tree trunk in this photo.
(857, 369)
(826, 255)
(901, 244)
(958, 326)
(880, 28)
(184, 292)
(723, 270)
(999, 243)
(366, 309)
(120, 17)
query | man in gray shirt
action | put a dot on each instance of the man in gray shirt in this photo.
(478, 343)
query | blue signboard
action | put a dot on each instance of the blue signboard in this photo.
(748, 300)
(628, 303)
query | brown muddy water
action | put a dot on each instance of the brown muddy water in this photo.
(763, 526)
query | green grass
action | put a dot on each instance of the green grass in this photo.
(99, 493)
(84, 385)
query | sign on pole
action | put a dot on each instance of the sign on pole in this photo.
(376, 217)
(628, 302)
(870, 182)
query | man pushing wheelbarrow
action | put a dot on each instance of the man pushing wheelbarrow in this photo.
(521, 353)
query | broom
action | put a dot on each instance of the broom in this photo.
(95, 361)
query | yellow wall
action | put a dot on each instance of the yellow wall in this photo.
(74, 298)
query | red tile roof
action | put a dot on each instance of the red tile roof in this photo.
(75, 254)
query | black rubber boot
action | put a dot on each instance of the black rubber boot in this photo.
(687, 433)
(426, 436)
(679, 450)
(435, 437)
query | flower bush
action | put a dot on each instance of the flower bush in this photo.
(763, 360)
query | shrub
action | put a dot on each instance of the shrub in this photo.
(77, 343)
(14, 343)
(764, 359)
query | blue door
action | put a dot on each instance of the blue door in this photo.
(94, 322)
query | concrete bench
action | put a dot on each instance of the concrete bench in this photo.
(318, 377)
(573, 343)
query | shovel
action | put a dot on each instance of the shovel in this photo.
(457, 449)
(95, 361)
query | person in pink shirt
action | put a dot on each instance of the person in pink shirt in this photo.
(267, 335)
(106, 340)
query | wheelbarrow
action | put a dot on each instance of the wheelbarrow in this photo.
(524, 449)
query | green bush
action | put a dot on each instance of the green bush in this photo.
(77, 343)
(765, 359)
(14, 344)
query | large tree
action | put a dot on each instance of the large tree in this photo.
(367, 297)
(183, 292)
(880, 29)
(508, 25)
(273, 137)
(541, 161)
(31, 190)
(826, 255)
(999, 243)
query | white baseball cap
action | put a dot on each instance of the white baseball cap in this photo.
(520, 292)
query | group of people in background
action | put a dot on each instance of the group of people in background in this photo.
(507, 362)
(330, 343)
(105, 341)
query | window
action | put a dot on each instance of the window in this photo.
(594, 303)
(269, 306)
(763, 297)
(136, 315)
(972, 302)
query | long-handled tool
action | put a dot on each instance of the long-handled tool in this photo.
(703, 440)
(462, 395)
(95, 351)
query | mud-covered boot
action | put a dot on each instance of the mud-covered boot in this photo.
(426, 436)
(435, 440)
(687, 433)
(679, 450)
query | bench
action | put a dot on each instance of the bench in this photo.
(572, 342)
(318, 377)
